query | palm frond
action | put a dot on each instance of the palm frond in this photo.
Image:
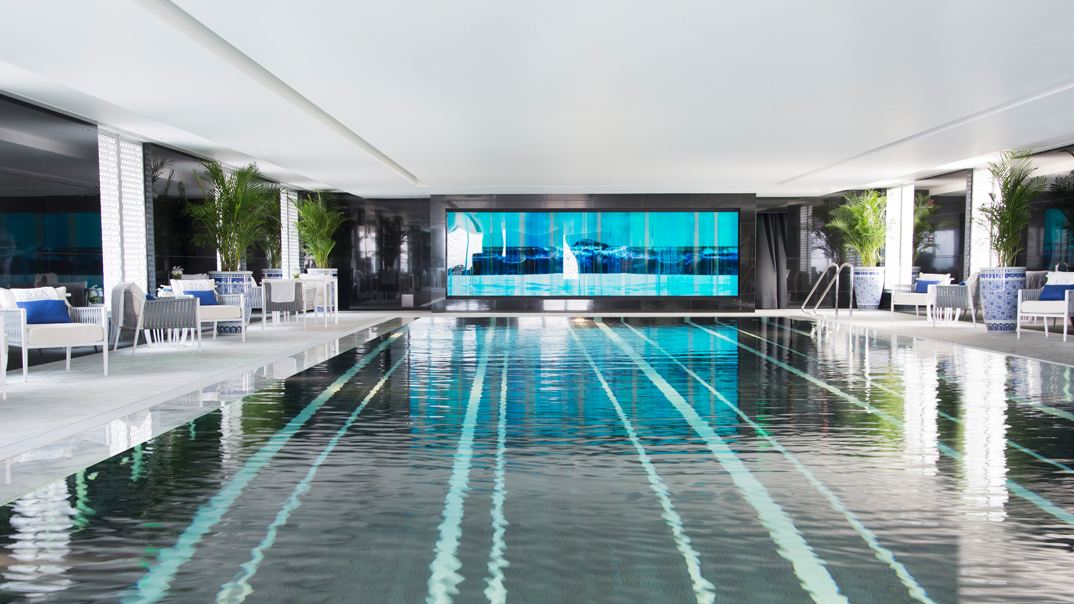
(1007, 217)
(234, 211)
(318, 221)
(861, 220)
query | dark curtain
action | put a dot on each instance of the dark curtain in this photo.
(771, 261)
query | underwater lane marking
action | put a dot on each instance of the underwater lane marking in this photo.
(883, 554)
(790, 543)
(237, 589)
(496, 592)
(704, 590)
(156, 583)
(1015, 488)
(444, 580)
(893, 392)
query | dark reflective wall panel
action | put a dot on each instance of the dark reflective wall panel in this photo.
(50, 210)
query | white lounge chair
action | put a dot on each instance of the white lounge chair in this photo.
(88, 326)
(1031, 306)
(918, 298)
(229, 307)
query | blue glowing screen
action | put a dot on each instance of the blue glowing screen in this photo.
(495, 254)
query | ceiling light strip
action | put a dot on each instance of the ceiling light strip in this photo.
(973, 117)
(197, 31)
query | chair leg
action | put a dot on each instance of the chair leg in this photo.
(105, 354)
(214, 330)
(25, 363)
(68, 358)
(1045, 321)
(199, 339)
(116, 347)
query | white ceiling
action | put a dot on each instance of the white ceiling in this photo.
(778, 98)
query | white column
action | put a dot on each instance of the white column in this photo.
(899, 248)
(124, 234)
(291, 252)
(979, 250)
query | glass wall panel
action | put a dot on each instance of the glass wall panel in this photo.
(50, 206)
(588, 254)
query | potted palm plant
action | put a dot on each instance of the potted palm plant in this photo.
(231, 219)
(1006, 219)
(318, 221)
(861, 220)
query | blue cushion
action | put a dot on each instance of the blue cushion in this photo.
(922, 287)
(45, 311)
(1055, 292)
(207, 297)
(150, 297)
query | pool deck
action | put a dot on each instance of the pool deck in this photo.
(43, 417)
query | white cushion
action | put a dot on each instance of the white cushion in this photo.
(220, 312)
(942, 279)
(180, 288)
(1056, 278)
(63, 334)
(1043, 307)
(909, 298)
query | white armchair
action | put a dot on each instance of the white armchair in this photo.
(88, 327)
(229, 307)
(918, 299)
(1030, 305)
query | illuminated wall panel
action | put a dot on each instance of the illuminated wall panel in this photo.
(587, 254)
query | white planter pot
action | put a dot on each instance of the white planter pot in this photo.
(233, 282)
(868, 287)
(999, 296)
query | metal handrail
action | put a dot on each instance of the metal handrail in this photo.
(834, 281)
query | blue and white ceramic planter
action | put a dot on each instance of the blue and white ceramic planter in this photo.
(234, 282)
(868, 287)
(999, 296)
(271, 273)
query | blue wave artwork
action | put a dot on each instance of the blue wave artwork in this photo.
(588, 254)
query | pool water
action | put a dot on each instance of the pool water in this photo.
(548, 459)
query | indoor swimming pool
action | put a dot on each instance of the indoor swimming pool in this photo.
(576, 460)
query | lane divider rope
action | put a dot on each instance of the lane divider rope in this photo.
(156, 583)
(1013, 486)
(444, 580)
(704, 590)
(236, 590)
(883, 554)
(496, 592)
(791, 545)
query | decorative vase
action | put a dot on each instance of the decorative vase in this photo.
(868, 287)
(271, 273)
(234, 282)
(999, 296)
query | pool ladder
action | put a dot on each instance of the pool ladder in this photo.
(834, 281)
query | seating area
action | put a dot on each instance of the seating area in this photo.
(1053, 300)
(43, 317)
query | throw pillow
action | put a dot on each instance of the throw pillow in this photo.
(7, 299)
(1055, 292)
(39, 312)
(207, 298)
(37, 293)
(922, 287)
(1057, 278)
